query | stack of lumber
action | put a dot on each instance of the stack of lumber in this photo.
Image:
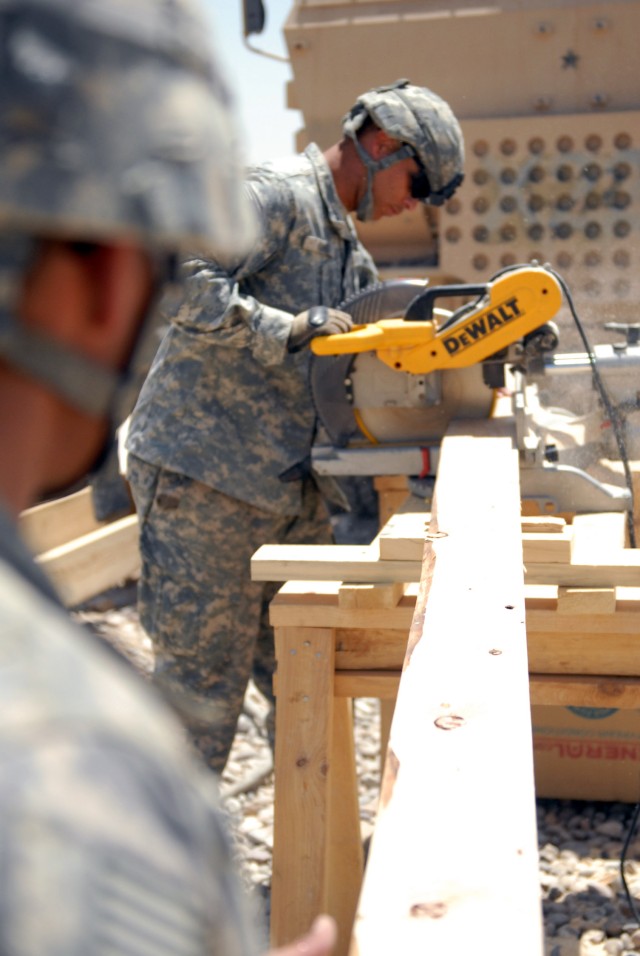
(582, 595)
(587, 553)
(82, 556)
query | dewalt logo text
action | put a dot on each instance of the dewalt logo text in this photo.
(483, 325)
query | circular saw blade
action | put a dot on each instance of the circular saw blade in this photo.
(330, 375)
(395, 407)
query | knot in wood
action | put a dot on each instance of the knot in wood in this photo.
(449, 721)
(434, 535)
(433, 910)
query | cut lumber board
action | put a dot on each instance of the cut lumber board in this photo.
(371, 595)
(460, 750)
(55, 523)
(551, 690)
(552, 547)
(354, 563)
(361, 563)
(392, 491)
(542, 524)
(619, 570)
(580, 691)
(403, 536)
(299, 602)
(598, 537)
(558, 643)
(94, 562)
(598, 644)
(586, 600)
(367, 683)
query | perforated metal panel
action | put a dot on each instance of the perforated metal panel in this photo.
(558, 189)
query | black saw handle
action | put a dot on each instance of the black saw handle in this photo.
(421, 308)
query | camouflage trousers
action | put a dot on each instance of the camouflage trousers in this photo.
(207, 620)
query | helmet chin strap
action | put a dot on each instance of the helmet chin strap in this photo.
(81, 382)
(84, 384)
(364, 210)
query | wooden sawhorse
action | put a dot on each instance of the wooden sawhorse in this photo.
(333, 643)
(329, 652)
(330, 649)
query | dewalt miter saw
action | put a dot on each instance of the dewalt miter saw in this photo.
(386, 391)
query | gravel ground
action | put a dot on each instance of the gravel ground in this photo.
(584, 904)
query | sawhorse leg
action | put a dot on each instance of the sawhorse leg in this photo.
(317, 854)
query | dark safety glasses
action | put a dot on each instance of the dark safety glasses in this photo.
(421, 187)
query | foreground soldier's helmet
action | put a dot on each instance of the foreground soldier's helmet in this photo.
(114, 124)
(424, 123)
(114, 120)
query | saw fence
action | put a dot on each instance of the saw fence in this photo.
(430, 618)
(433, 613)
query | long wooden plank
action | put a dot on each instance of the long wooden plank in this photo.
(558, 643)
(329, 562)
(460, 755)
(94, 562)
(361, 563)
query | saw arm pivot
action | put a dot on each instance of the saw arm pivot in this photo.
(513, 305)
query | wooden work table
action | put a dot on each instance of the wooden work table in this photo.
(475, 668)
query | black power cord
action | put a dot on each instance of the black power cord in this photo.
(623, 860)
(618, 432)
(611, 411)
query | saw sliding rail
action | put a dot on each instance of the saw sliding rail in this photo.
(550, 484)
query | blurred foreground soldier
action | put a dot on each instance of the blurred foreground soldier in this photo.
(220, 441)
(115, 153)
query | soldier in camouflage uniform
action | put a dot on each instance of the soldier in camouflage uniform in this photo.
(219, 443)
(116, 153)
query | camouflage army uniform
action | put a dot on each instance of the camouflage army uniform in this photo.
(220, 439)
(111, 839)
(115, 129)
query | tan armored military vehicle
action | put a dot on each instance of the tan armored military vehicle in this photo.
(549, 101)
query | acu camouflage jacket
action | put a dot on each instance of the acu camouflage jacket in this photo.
(224, 402)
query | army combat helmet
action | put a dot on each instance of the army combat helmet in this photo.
(114, 124)
(428, 130)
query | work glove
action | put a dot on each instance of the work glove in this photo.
(318, 320)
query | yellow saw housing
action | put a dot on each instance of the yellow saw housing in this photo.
(514, 304)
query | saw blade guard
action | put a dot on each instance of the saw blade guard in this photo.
(406, 369)
(329, 375)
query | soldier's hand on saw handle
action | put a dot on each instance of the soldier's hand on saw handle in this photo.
(318, 320)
